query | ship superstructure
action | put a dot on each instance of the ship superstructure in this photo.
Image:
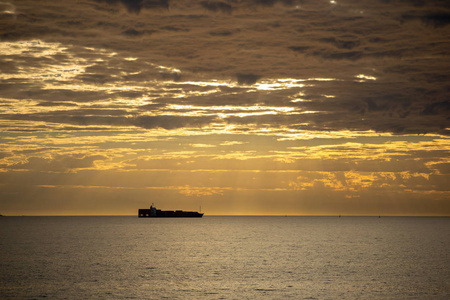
(152, 212)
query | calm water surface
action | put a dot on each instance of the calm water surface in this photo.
(224, 258)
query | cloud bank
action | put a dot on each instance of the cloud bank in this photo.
(227, 99)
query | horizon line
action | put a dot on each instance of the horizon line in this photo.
(237, 215)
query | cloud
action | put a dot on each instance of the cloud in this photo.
(247, 79)
(7, 8)
(217, 6)
(437, 108)
(49, 103)
(443, 168)
(435, 19)
(170, 122)
(148, 69)
(59, 163)
(175, 166)
(135, 6)
(342, 43)
(273, 2)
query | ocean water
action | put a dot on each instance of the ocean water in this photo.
(224, 258)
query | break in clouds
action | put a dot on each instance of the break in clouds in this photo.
(342, 96)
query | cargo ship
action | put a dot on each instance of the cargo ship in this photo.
(157, 213)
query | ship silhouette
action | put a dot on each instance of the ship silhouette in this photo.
(152, 212)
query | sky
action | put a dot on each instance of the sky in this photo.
(240, 107)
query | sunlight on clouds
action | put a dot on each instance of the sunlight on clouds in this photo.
(175, 70)
(213, 82)
(58, 74)
(364, 78)
(358, 180)
(202, 145)
(353, 150)
(353, 182)
(200, 191)
(311, 180)
(82, 67)
(226, 110)
(292, 134)
(231, 143)
(39, 49)
(279, 84)
(321, 79)
(7, 8)
(300, 100)
(31, 48)
(47, 146)
(238, 155)
(266, 84)
(301, 184)
(211, 168)
(297, 102)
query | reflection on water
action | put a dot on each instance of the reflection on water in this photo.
(225, 257)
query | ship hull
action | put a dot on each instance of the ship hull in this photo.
(147, 213)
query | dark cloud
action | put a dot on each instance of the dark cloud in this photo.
(342, 43)
(132, 32)
(175, 28)
(349, 55)
(135, 6)
(300, 49)
(61, 95)
(217, 6)
(146, 57)
(149, 4)
(48, 103)
(273, 2)
(170, 122)
(435, 19)
(113, 118)
(437, 108)
(222, 33)
(247, 78)
(229, 6)
(96, 78)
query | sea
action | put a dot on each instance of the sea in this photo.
(225, 258)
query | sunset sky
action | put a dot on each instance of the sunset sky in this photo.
(259, 107)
